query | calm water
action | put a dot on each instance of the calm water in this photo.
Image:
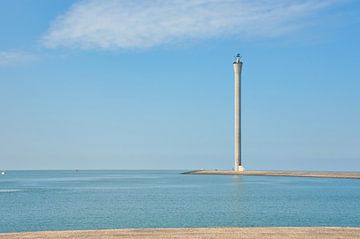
(61, 200)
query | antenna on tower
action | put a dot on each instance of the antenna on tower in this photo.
(237, 58)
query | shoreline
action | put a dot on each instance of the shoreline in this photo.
(197, 233)
(346, 175)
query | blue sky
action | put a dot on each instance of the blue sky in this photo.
(121, 84)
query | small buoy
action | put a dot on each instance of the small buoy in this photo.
(3, 173)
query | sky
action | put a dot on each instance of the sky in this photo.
(139, 84)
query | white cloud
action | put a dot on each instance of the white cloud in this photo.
(14, 57)
(109, 24)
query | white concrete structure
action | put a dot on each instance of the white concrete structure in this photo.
(237, 71)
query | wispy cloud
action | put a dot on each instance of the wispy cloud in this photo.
(15, 57)
(142, 24)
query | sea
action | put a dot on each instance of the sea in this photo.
(77, 200)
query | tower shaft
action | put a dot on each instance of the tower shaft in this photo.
(237, 71)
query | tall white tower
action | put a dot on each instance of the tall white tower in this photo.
(237, 71)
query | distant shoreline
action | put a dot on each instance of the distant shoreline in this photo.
(197, 233)
(348, 175)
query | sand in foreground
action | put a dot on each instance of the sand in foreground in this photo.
(198, 233)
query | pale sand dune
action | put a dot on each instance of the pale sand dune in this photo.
(198, 233)
(351, 175)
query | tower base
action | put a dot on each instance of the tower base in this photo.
(240, 168)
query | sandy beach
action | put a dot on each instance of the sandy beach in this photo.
(350, 175)
(198, 233)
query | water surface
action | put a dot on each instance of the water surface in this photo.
(64, 200)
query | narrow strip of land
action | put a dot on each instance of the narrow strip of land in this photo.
(198, 233)
(353, 175)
